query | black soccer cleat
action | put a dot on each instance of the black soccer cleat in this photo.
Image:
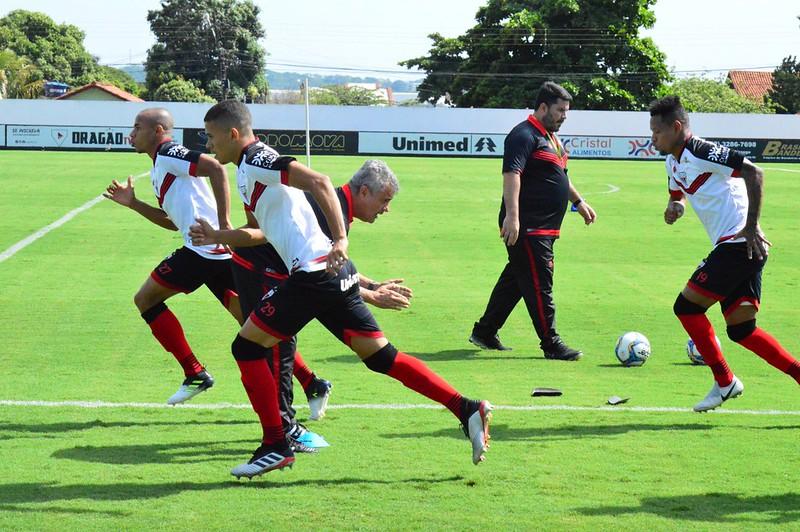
(266, 458)
(556, 349)
(192, 386)
(318, 393)
(475, 423)
(486, 341)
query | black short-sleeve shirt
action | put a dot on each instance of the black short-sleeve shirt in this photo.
(541, 161)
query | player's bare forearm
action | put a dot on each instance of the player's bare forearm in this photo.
(320, 187)
(366, 282)
(203, 234)
(154, 214)
(509, 232)
(511, 186)
(754, 182)
(574, 195)
(218, 178)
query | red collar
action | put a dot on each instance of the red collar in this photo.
(155, 152)
(348, 195)
(538, 125)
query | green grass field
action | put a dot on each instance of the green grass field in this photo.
(72, 334)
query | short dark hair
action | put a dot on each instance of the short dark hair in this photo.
(231, 113)
(669, 109)
(550, 93)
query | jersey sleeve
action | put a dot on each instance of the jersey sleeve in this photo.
(518, 148)
(179, 160)
(713, 157)
(269, 167)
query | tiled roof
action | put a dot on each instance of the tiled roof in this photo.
(751, 83)
(111, 89)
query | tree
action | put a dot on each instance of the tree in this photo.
(591, 47)
(354, 95)
(56, 50)
(785, 91)
(113, 76)
(214, 42)
(19, 78)
(180, 90)
(700, 95)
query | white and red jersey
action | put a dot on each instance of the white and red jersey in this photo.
(183, 195)
(707, 174)
(283, 212)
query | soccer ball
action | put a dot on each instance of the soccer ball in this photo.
(694, 355)
(632, 349)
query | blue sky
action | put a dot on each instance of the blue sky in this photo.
(714, 35)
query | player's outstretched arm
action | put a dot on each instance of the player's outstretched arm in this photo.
(389, 294)
(123, 194)
(320, 187)
(218, 178)
(203, 233)
(757, 243)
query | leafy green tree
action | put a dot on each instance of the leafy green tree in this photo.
(214, 42)
(56, 50)
(180, 90)
(19, 78)
(354, 95)
(785, 92)
(701, 95)
(113, 76)
(591, 47)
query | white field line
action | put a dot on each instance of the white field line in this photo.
(783, 170)
(611, 190)
(524, 408)
(25, 242)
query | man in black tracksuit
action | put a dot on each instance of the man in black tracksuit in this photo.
(535, 194)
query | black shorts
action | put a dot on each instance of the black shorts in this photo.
(186, 271)
(728, 276)
(334, 301)
(254, 275)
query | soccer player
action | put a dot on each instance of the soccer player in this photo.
(322, 285)
(536, 189)
(182, 197)
(258, 269)
(725, 191)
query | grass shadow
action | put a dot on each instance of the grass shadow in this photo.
(48, 493)
(177, 453)
(713, 508)
(53, 428)
(502, 433)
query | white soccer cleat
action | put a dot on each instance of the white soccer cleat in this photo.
(191, 387)
(719, 395)
(318, 393)
(476, 427)
(265, 459)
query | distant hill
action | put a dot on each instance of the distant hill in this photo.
(289, 80)
(136, 71)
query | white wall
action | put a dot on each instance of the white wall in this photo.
(392, 119)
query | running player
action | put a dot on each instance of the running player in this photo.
(322, 284)
(182, 196)
(725, 191)
(258, 269)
